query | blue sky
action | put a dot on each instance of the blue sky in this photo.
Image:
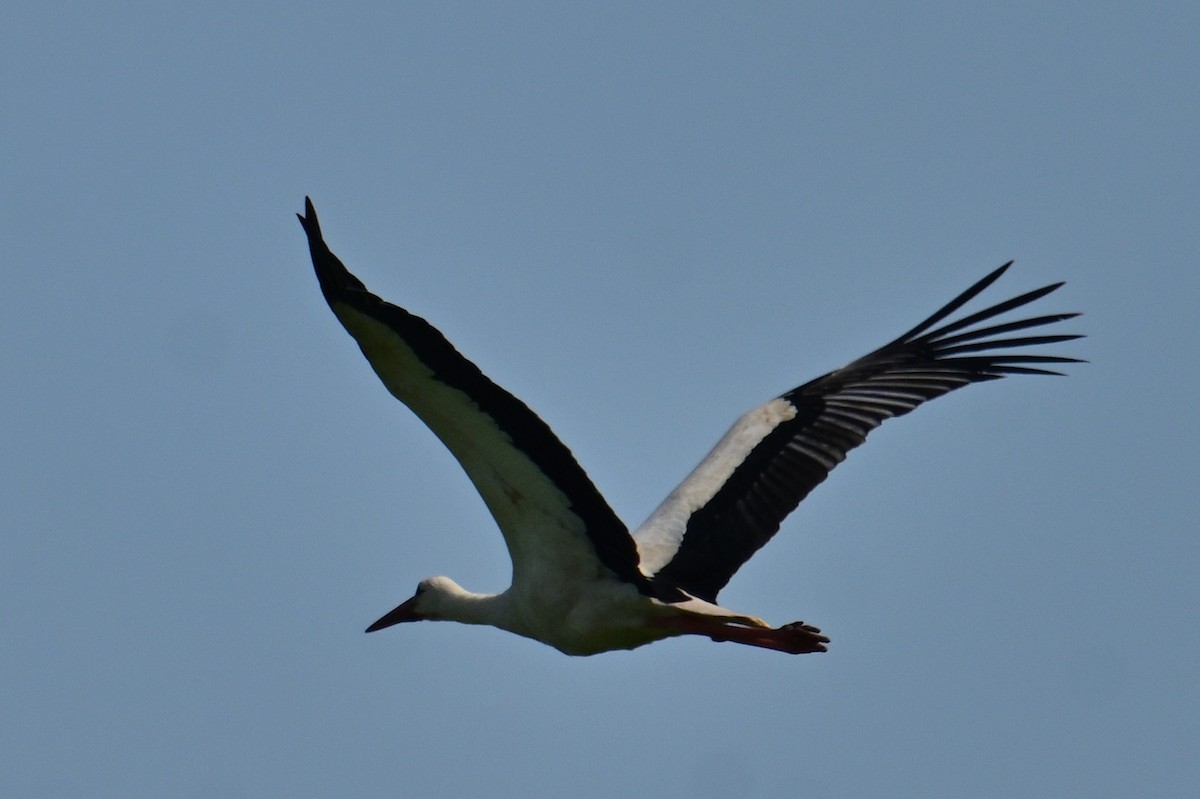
(643, 220)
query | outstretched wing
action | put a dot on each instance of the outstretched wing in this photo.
(550, 513)
(735, 500)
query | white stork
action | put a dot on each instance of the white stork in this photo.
(580, 582)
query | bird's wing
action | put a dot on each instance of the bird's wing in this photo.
(550, 513)
(735, 500)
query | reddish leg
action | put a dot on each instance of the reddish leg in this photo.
(796, 638)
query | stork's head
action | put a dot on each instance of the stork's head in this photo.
(432, 601)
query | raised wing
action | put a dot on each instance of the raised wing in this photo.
(735, 500)
(550, 513)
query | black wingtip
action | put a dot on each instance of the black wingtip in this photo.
(955, 304)
(309, 219)
(335, 279)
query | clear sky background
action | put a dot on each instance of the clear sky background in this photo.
(642, 219)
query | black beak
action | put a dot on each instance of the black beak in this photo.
(406, 612)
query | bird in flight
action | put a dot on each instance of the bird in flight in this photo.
(580, 581)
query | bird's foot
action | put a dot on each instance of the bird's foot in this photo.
(801, 638)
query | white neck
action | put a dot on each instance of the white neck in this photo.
(445, 600)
